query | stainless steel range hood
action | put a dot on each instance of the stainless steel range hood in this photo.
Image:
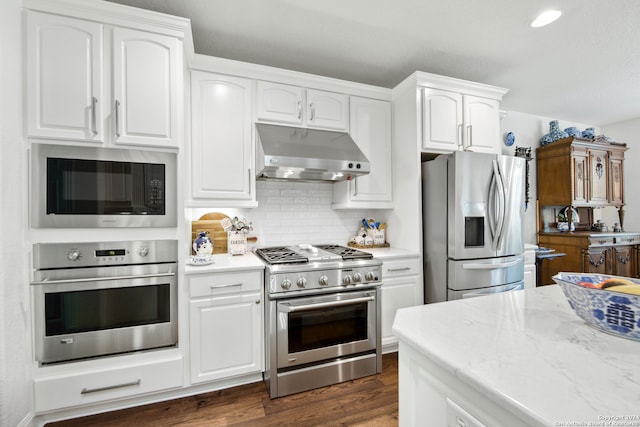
(286, 152)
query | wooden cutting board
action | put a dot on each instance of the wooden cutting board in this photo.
(210, 223)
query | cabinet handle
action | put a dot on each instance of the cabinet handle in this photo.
(257, 301)
(313, 112)
(469, 137)
(226, 285)
(109, 387)
(398, 269)
(94, 102)
(460, 142)
(624, 260)
(249, 182)
(117, 114)
(602, 242)
(299, 109)
(598, 263)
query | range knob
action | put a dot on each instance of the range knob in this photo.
(74, 255)
(369, 276)
(286, 284)
(301, 282)
(357, 277)
(143, 251)
(347, 279)
(323, 280)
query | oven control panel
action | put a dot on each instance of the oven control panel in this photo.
(324, 279)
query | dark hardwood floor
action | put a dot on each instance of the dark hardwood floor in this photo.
(369, 401)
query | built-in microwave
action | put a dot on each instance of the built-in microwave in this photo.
(102, 187)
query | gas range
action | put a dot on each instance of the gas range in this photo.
(305, 269)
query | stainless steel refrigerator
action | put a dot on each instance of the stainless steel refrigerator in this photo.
(473, 212)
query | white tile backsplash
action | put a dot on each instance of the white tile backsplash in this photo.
(290, 213)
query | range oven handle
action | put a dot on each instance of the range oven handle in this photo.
(95, 279)
(287, 308)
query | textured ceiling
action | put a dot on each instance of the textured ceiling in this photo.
(585, 67)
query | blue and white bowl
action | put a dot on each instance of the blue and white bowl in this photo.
(610, 311)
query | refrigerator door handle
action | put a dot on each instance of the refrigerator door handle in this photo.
(501, 203)
(491, 211)
(480, 266)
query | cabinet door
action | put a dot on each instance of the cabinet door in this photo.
(370, 126)
(64, 78)
(221, 137)
(623, 260)
(579, 171)
(481, 125)
(598, 176)
(280, 103)
(226, 337)
(146, 79)
(442, 120)
(327, 110)
(396, 293)
(615, 180)
(596, 260)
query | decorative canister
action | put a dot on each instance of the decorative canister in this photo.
(554, 133)
(589, 133)
(202, 245)
(573, 131)
(236, 243)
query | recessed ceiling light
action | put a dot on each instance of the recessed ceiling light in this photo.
(546, 18)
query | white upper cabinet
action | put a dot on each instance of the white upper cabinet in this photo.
(145, 88)
(92, 82)
(370, 128)
(281, 103)
(64, 78)
(221, 139)
(482, 125)
(455, 121)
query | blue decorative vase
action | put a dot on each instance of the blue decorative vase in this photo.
(589, 133)
(554, 133)
(203, 244)
(573, 131)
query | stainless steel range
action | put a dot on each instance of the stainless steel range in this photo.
(322, 317)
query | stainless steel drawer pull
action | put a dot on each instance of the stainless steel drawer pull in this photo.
(226, 285)
(117, 117)
(94, 102)
(109, 387)
(398, 269)
(95, 279)
(287, 308)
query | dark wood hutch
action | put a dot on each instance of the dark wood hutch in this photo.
(585, 175)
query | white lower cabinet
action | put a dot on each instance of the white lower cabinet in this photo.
(226, 325)
(55, 388)
(401, 287)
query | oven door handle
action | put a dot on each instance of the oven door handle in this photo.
(97, 279)
(288, 308)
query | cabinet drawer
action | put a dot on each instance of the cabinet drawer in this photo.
(82, 388)
(223, 283)
(628, 239)
(601, 240)
(401, 267)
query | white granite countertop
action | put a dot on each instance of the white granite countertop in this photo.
(531, 354)
(390, 253)
(226, 262)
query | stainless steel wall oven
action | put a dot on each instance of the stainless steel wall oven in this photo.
(102, 187)
(323, 316)
(99, 299)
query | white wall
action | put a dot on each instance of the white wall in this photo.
(291, 212)
(629, 132)
(15, 352)
(528, 129)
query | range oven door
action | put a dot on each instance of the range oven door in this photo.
(134, 308)
(316, 328)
